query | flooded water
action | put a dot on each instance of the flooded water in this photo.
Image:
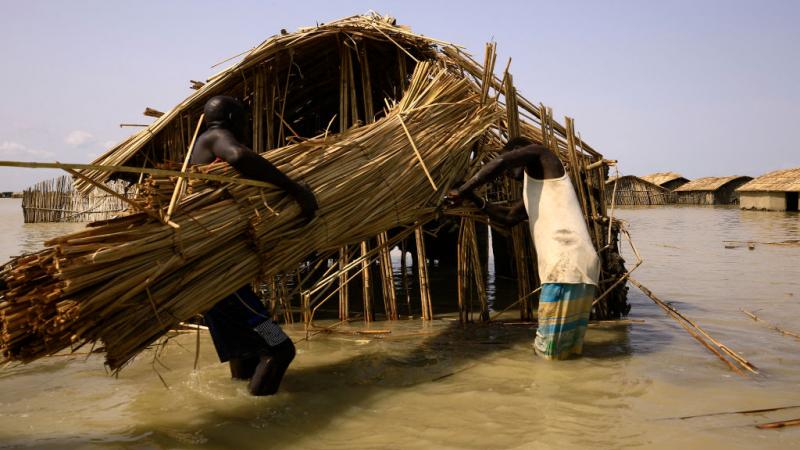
(439, 385)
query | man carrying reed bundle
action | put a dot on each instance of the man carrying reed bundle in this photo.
(241, 328)
(568, 264)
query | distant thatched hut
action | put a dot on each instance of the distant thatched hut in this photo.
(632, 190)
(667, 180)
(775, 191)
(711, 190)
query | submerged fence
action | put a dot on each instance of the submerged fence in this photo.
(56, 200)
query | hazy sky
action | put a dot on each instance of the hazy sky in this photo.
(698, 87)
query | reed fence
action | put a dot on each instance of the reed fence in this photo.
(56, 200)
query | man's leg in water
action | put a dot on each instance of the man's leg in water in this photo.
(243, 368)
(269, 372)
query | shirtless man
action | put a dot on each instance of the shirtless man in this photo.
(569, 267)
(242, 330)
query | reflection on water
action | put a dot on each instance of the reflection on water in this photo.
(441, 385)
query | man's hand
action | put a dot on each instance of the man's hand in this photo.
(475, 199)
(453, 198)
(308, 202)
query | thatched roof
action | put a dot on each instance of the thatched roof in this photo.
(710, 183)
(660, 178)
(784, 180)
(293, 84)
(308, 49)
(622, 178)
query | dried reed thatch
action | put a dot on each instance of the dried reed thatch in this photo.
(378, 120)
(784, 180)
(711, 190)
(669, 180)
(710, 183)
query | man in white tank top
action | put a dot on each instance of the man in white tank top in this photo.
(567, 261)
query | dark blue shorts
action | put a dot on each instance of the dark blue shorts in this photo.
(231, 322)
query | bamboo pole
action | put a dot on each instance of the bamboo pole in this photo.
(779, 424)
(179, 185)
(461, 277)
(422, 268)
(387, 276)
(366, 285)
(344, 296)
(137, 170)
(416, 152)
(770, 325)
(700, 334)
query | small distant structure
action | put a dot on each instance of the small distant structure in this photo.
(774, 191)
(667, 180)
(632, 190)
(711, 190)
(56, 200)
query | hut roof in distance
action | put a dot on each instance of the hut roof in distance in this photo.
(784, 180)
(660, 178)
(613, 178)
(710, 183)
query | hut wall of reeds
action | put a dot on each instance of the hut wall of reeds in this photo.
(667, 180)
(774, 191)
(711, 191)
(380, 122)
(632, 190)
(56, 200)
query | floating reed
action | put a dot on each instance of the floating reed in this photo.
(732, 359)
(779, 424)
(769, 325)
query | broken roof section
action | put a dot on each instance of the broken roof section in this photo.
(318, 80)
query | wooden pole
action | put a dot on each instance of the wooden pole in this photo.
(422, 266)
(344, 300)
(389, 293)
(367, 282)
(179, 185)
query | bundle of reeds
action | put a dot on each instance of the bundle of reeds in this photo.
(127, 281)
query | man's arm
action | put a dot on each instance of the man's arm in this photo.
(520, 157)
(504, 215)
(254, 167)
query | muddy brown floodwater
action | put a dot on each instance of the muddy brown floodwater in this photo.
(438, 385)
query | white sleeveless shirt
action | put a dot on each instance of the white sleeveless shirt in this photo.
(563, 247)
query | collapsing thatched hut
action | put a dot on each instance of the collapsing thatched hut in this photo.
(56, 200)
(667, 180)
(380, 122)
(774, 191)
(711, 190)
(632, 190)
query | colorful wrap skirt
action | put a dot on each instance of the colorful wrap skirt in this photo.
(563, 317)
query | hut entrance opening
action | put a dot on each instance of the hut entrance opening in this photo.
(792, 201)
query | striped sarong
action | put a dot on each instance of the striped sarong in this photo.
(563, 317)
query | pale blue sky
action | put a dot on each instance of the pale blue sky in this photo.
(699, 87)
